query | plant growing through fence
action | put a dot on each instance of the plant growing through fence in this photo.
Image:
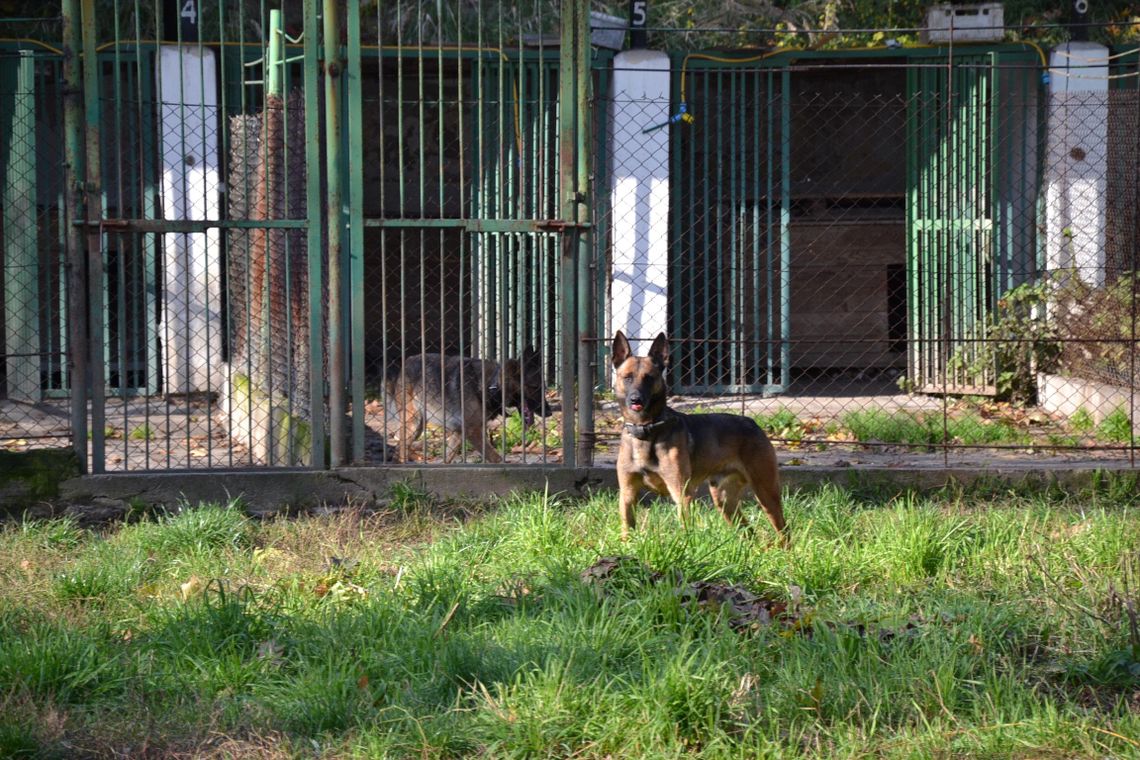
(1019, 343)
(1098, 328)
(1116, 427)
(782, 424)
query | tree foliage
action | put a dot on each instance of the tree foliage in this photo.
(676, 24)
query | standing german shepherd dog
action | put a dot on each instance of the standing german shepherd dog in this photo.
(461, 395)
(673, 453)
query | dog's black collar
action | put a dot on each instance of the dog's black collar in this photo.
(650, 430)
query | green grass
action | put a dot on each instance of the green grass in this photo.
(961, 623)
(1116, 427)
(510, 433)
(781, 423)
(924, 429)
(1082, 421)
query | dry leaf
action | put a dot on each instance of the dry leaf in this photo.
(192, 587)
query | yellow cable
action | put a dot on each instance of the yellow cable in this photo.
(26, 41)
(792, 51)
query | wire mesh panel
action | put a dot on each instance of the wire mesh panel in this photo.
(34, 379)
(461, 283)
(207, 319)
(890, 250)
(321, 232)
(730, 234)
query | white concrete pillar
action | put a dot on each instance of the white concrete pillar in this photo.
(1076, 161)
(191, 328)
(639, 190)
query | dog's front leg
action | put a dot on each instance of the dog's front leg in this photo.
(630, 487)
(677, 474)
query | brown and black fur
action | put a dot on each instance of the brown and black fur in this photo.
(461, 395)
(673, 453)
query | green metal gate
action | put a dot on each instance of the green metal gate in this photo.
(730, 251)
(972, 153)
(465, 176)
(253, 176)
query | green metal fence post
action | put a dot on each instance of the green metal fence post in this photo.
(785, 226)
(77, 348)
(356, 226)
(568, 195)
(313, 241)
(93, 187)
(337, 433)
(582, 217)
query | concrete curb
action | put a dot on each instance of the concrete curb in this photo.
(277, 490)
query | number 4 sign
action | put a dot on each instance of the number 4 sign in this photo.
(180, 19)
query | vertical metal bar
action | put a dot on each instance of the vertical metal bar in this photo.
(226, 373)
(333, 68)
(739, 226)
(718, 331)
(313, 242)
(950, 169)
(116, 181)
(701, 352)
(677, 193)
(785, 226)
(908, 262)
(77, 348)
(688, 308)
(991, 264)
(585, 303)
(1134, 273)
(441, 153)
(966, 161)
(94, 198)
(382, 124)
(281, 440)
(421, 181)
(568, 181)
(913, 130)
(734, 241)
(356, 227)
(756, 280)
(770, 227)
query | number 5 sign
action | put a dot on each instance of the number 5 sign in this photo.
(638, 16)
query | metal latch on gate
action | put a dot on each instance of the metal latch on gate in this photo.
(559, 225)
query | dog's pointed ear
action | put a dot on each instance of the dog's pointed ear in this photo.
(621, 350)
(531, 356)
(659, 351)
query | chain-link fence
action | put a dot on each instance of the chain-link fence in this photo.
(33, 321)
(401, 245)
(896, 252)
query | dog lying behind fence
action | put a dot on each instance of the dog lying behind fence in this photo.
(673, 453)
(462, 395)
